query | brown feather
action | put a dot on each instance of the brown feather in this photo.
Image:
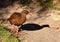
(17, 18)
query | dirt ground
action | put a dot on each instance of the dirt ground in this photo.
(46, 34)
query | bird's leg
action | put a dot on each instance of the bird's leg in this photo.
(19, 29)
(15, 30)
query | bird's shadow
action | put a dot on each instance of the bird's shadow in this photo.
(32, 27)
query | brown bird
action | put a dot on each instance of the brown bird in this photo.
(18, 19)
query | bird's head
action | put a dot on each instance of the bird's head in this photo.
(25, 12)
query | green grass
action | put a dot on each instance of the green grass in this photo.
(6, 36)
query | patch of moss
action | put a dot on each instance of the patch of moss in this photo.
(6, 36)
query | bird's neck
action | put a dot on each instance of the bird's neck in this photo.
(23, 14)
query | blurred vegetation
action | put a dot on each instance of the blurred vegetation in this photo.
(25, 2)
(5, 3)
(46, 3)
(6, 36)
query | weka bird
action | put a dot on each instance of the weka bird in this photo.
(18, 19)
